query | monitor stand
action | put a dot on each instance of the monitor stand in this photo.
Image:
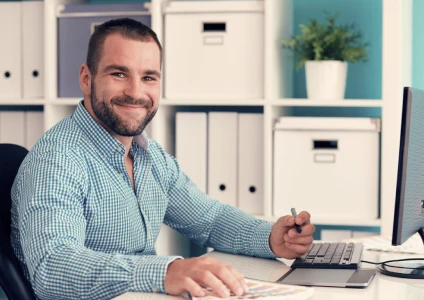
(412, 268)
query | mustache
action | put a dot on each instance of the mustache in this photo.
(127, 100)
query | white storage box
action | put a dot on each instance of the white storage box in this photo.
(327, 166)
(214, 49)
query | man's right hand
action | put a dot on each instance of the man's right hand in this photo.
(189, 274)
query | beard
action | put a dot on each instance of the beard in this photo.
(104, 111)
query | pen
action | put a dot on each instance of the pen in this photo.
(294, 214)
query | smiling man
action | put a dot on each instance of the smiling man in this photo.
(91, 196)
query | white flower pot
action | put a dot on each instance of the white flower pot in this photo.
(326, 79)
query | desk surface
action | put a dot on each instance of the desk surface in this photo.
(381, 288)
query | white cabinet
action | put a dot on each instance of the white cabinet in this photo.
(327, 166)
(214, 50)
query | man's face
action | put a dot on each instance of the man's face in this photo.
(125, 92)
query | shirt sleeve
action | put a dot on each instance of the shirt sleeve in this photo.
(50, 190)
(211, 223)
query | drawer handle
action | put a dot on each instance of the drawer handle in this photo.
(7, 74)
(325, 144)
(213, 40)
(216, 27)
(325, 158)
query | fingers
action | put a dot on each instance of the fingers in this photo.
(221, 278)
(303, 218)
(230, 278)
(286, 221)
(298, 248)
(209, 279)
(287, 224)
(240, 278)
(307, 230)
(193, 288)
(302, 240)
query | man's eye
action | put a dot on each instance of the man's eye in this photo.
(118, 74)
(148, 78)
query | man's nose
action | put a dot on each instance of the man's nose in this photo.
(134, 89)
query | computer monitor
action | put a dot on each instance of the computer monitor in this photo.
(409, 204)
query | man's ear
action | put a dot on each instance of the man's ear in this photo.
(85, 80)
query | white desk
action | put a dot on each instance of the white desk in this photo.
(381, 288)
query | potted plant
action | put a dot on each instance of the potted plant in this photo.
(325, 49)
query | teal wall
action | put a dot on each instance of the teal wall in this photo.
(364, 79)
(418, 45)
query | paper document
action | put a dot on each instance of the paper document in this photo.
(264, 290)
(413, 245)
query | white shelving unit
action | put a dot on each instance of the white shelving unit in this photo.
(277, 102)
(396, 65)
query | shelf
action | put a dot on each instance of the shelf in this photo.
(19, 102)
(213, 102)
(333, 221)
(65, 101)
(334, 103)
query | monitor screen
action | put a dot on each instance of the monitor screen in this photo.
(409, 204)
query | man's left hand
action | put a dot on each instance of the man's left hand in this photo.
(286, 242)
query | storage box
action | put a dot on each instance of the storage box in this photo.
(76, 22)
(327, 166)
(214, 49)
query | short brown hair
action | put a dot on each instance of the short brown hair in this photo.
(126, 27)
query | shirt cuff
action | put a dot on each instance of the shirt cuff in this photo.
(260, 241)
(150, 275)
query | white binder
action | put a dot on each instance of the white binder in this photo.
(222, 161)
(34, 127)
(10, 50)
(33, 49)
(12, 127)
(251, 163)
(191, 146)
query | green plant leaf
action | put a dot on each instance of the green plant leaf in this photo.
(327, 41)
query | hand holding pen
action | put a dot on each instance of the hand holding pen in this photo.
(294, 214)
(291, 235)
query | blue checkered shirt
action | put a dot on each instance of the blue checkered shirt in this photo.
(80, 230)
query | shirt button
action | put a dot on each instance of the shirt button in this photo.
(119, 149)
(148, 235)
(121, 174)
(154, 289)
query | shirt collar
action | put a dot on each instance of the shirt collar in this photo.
(99, 135)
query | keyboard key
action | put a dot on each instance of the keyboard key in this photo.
(323, 250)
(314, 250)
(335, 260)
(319, 260)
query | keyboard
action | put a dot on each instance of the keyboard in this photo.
(331, 256)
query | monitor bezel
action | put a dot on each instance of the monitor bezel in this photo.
(402, 166)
